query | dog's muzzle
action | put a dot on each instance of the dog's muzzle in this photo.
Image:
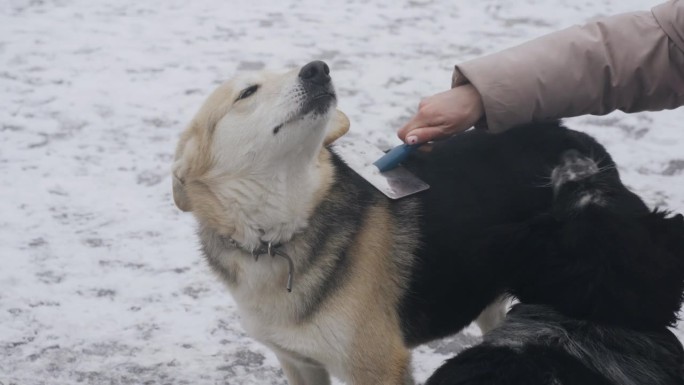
(320, 94)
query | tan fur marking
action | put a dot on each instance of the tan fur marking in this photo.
(207, 208)
(340, 126)
(200, 129)
(327, 177)
(378, 339)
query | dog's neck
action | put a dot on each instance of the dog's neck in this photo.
(269, 205)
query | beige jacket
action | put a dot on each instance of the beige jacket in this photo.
(630, 62)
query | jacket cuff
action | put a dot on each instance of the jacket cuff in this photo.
(458, 79)
(483, 73)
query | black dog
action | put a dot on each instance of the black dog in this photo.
(599, 278)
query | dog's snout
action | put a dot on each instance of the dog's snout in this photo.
(571, 156)
(574, 166)
(316, 72)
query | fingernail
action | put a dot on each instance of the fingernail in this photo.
(412, 139)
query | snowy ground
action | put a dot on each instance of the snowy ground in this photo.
(101, 281)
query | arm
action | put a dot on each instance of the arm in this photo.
(631, 62)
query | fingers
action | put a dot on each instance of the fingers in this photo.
(420, 130)
(424, 125)
(432, 120)
(415, 122)
(444, 114)
(403, 131)
(426, 134)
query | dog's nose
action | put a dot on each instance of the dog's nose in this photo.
(315, 72)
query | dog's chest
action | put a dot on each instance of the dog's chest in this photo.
(270, 317)
(323, 340)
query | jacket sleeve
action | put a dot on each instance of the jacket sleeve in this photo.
(630, 62)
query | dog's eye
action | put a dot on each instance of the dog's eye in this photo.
(247, 92)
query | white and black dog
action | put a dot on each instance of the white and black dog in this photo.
(538, 212)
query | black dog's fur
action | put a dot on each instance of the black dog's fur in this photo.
(608, 285)
(606, 267)
(537, 345)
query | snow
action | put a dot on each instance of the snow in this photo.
(101, 281)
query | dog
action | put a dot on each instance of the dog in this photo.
(599, 279)
(370, 278)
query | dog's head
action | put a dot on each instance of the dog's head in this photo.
(256, 122)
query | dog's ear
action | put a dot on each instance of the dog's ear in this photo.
(178, 171)
(339, 125)
(179, 195)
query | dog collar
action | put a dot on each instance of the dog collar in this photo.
(272, 250)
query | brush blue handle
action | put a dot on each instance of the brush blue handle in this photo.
(394, 157)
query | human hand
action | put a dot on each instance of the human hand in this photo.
(443, 115)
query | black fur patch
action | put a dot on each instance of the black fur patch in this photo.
(539, 346)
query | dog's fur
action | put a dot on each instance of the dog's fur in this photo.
(599, 279)
(375, 277)
(540, 346)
